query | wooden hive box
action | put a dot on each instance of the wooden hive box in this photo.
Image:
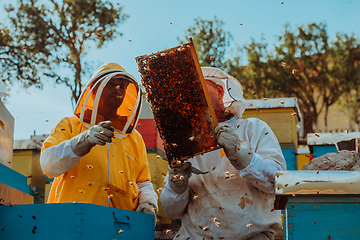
(323, 143)
(319, 204)
(80, 221)
(281, 114)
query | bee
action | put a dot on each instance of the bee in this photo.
(121, 171)
(195, 197)
(281, 102)
(294, 114)
(265, 99)
(266, 133)
(159, 190)
(282, 2)
(120, 231)
(206, 228)
(81, 191)
(249, 225)
(317, 135)
(297, 183)
(167, 230)
(217, 224)
(89, 166)
(73, 177)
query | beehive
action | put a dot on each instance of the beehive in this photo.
(179, 100)
(319, 204)
(80, 221)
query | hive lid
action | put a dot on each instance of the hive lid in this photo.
(317, 182)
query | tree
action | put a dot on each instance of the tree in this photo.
(53, 35)
(345, 63)
(11, 59)
(257, 74)
(210, 41)
(302, 69)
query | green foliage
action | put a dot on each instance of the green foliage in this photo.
(345, 64)
(210, 41)
(11, 57)
(56, 34)
(304, 64)
(302, 70)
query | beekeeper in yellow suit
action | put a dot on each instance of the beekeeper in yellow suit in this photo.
(235, 200)
(97, 156)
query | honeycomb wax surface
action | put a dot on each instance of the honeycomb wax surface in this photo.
(178, 102)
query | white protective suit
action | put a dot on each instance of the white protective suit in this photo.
(227, 203)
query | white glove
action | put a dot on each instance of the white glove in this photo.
(147, 207)
(227, 137)
(179, 175)
(99, 134)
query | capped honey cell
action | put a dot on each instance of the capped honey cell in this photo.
(179, 100)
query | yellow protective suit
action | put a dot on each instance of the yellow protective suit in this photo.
(108, 175)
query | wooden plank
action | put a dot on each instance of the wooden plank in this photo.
(9, 195)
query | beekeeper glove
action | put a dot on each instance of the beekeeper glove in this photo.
(99, 134)
(227, 137)
(147, 207)
(179, 175)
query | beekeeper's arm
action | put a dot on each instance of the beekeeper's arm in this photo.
(148, 199)
(258, 165)
(175, 195)
(58, 159)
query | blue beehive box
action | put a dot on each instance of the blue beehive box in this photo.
(319, 204)
(323, 143)
(78, 221)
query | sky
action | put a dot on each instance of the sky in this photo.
(156, 25)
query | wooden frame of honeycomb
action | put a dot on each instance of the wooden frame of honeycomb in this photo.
(180, 102)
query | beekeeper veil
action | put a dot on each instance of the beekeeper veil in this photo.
(233, 99)
(111, 94)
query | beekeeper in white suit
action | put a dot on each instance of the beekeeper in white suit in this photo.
(235, 200)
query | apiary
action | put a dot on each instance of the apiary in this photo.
(177, 94)
(319, 204)
(73, 221)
